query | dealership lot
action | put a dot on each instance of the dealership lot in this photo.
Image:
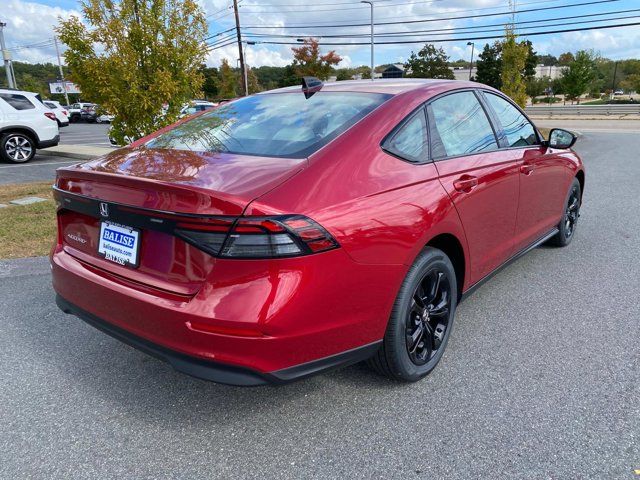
(541, 378)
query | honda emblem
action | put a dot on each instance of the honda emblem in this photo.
(104, 209)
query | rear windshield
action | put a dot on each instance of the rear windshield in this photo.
(273, 125)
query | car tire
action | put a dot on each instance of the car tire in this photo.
(74, 118)
(98, 120)
(569, 222)
(417, 334)
(17, 147)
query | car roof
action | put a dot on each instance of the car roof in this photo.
(391, 86)
(16, 91)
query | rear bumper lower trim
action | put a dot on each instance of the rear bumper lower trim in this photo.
(216, 371)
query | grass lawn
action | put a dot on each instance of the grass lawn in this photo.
(27, 230)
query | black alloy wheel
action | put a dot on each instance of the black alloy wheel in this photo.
(428, 317)
(570, 216)
(421, 320)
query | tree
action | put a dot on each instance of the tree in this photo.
(210, 84)
(631, 82)
(133, 56)
(227, 81)
(489, 66)
(430, 62)
(565, 59)
(252, 81)
(307, 60)
(514, 58)
(579, 74)
(531, 61)
(547, 60)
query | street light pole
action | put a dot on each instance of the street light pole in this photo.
(64, 84)
(471, 66)
(372, 42)
(7, 58)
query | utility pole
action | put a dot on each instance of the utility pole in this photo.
(64, 84)
(371, 4)
(6, 57)
(245, 87)
(615, 71)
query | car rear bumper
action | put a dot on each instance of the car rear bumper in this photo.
(290, 321)
(49, 143)
(216, 371)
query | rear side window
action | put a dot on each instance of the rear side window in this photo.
(50, 105)
(517, 129)
(17, 101)
(410, 141)
(460, 126)
(272, 125)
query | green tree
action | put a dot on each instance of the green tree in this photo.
(579, 74)
(631, 82)
(252, 81)
(514, 59)
(228, 81)
(210, 84)
(133, 56)
(308, 61)
(489, 66)
(430, 62)
(547, 60)
(531, 61)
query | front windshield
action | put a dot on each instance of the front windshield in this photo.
(272, 125)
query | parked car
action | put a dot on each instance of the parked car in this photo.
(94, 114)
(196, 106)
(62, 116)
(618, 92)
(75, 111)
(26, 124)
(296, 230)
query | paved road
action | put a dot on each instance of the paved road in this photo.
(541, 380)
(85, 134)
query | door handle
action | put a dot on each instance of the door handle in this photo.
(527, 168)
(465, 183)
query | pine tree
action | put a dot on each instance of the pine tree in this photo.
(489, 66)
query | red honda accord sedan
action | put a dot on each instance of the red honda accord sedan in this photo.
(296, 230)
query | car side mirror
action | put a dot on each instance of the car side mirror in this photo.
(559, 138)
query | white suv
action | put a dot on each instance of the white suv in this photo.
(25, 124)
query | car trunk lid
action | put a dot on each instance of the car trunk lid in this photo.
(153, 192)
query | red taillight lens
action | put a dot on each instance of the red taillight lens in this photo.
(259, 237)
(65, 113)
(50, 115)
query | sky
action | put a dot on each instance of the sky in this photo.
(30, 24)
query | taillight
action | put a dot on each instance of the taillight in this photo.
(50, 115)
(259, 237)
(65, 113)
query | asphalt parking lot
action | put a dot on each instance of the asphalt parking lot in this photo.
(85, 134)
(43, 167)
(541, 379)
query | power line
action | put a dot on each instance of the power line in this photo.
(355, 7)
(442, 40)
(455, 30)
(495, 14)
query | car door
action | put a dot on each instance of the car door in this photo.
(481, 180)
(542, 172)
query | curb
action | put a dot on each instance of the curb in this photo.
(76, 152)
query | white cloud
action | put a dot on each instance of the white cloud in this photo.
(31, 23)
